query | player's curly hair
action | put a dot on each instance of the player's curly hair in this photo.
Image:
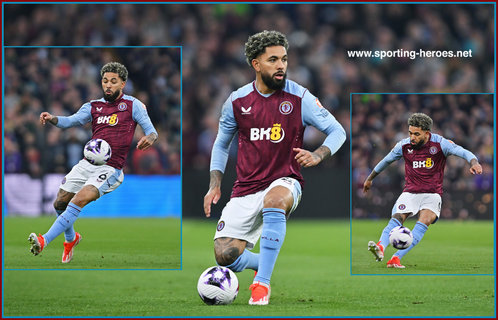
(115, 67)
(257, 43)
(420, 120)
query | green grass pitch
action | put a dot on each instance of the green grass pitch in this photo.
(312, 278)
(107, 243)
(448, 247)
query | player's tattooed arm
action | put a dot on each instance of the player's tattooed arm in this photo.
(147, 141)
(45, 116)
(309, 159)
(322, 152)
(368, 182)
(475, 167)
(214, 192)
(215, 177)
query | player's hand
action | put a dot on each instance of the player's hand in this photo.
(476, 168)
(306, 158)
(146, 142)
(44, 117)
(212, 196)
(367, 185)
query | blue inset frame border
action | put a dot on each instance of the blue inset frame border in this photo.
(351, 183)
(3, 155)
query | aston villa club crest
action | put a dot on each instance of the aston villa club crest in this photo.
(285, 107)
(220, 225)
(433, 150)
(122, 106)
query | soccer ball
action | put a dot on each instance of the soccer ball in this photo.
(218, 285)
(400, 237)
(97, 151)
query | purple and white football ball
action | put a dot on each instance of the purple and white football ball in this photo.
(400, 237)
(97, 152)
(218, 285)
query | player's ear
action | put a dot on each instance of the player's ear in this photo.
(255, 65)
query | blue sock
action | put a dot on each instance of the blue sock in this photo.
(384, 237)
(272, 238)
(62, 223)
(247, 260)
(418, 233)
(69, 234)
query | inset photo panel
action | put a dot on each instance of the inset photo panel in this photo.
(92, 158)
(422, 184)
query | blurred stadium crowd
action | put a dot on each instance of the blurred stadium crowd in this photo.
(379, 121)
(60, 80)
(213, 37)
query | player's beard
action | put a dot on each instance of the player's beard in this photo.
(112, 97)
(273, 83)
(418, 145)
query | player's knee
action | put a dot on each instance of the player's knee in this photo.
(227, 256)
(59, 205)
(427, 221)
(400, 217)
(427, 217)
(81, 201)
(85, 196)
(276, 202)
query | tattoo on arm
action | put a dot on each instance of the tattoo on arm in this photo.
(54, 120)
(323, 152)
(153, 135)
(473, 162)
(215, 179)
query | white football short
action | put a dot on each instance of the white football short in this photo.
(414, 202)
(105, 178)
(242, 216)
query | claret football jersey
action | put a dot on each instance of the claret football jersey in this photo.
(114, 122)
(269, 126)
(424, 167)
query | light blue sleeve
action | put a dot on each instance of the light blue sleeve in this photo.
(451, 148)
(317, 116)
(226, 130)
(140, 115)
(81, 117)
(395, 154)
